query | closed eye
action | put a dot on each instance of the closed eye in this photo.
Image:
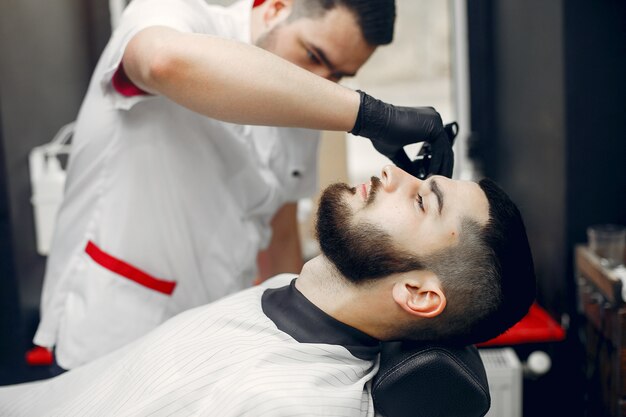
(420, 202)
(312, 57)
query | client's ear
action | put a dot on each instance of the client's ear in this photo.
(419, 293)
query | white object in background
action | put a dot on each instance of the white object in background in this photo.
(504, 373)
(538, 363)
(47, 179)
(310, 247)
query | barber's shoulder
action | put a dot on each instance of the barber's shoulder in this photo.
(278, 281)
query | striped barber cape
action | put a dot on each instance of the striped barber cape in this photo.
(260, 352)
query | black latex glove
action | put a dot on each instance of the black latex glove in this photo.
(391, 127)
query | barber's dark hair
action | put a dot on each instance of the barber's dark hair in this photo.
(488, 277)
(376, 18)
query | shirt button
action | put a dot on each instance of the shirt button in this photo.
(295, 173)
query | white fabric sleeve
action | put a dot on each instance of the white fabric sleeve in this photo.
(141, 14)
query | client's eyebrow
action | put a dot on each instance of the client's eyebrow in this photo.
(434, 187)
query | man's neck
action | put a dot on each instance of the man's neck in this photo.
(324, 286)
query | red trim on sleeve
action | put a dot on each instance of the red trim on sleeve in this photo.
(126, 270)
(257, 3)
(123, 85)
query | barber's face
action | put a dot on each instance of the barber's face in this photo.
(422, 216)
(330, 46)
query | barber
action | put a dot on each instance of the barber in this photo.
(196, 138)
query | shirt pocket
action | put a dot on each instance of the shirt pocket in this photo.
(112, 304)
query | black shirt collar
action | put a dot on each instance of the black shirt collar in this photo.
(295, 315)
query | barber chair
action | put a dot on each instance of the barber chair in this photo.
(430, 380)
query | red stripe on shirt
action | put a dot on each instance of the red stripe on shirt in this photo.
(257, 3)
(123, 85)
(126, 270)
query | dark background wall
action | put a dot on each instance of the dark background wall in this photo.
(548, 84)
(48, 52)
(548, 118)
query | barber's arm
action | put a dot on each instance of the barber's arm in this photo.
(284, 253)
(241, 83)
(236, 82)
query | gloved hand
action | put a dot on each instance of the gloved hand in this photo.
(391, 127)
(420, 167)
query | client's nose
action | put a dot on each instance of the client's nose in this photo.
(392, 177)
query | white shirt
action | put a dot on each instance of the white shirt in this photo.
(164, 209)
(225, 359)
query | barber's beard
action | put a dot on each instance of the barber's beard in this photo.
(360, 251)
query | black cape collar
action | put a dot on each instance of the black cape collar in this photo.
(295, 315)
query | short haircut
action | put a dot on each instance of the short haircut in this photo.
(506, 236)
(488, 277)
(375, 18)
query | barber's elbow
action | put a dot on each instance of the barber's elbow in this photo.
(150, 60)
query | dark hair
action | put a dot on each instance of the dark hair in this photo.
(375, 18)
(488, 277)
(506, 236)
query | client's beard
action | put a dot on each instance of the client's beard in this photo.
(359, 251)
